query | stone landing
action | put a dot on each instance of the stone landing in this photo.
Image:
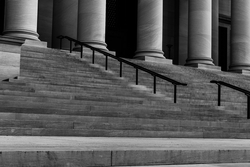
(85, 151)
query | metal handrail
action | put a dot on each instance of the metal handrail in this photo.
(121, 60)
(246, 92)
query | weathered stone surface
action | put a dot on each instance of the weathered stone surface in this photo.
(149, 29)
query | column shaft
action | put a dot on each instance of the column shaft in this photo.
(215, 27)
(21, 19)
(92, 22)
(183, 31)
(150, 29)
(200, 32)
(240, 35)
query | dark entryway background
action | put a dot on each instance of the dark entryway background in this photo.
(223, 40)
(121, 27)
(2, 5)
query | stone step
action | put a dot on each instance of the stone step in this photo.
(72, 87)
(184, 97)
(54, 65)
(127, 123)
(200, 165)
(71, 95)
(111, 123)
(87, 97)
(36, 124)
(43, 51)
(48, 78)
(181, 94)
(108, 111)
(15, 131)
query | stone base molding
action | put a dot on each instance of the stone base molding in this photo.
(21, 19)
(24, 34)
(199, 60)
(149, 53)
(238, 67)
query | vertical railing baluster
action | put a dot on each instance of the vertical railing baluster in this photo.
(136, 77)
(219, 94)
(154, 84)
(248, 107)
(106, 64)
(175, 93)
(81, 51)
(120, 68)
(93, 56)
(70, 47)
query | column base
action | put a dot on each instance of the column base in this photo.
(243, 72)
(11, 40)
(14, 40)
(24, 34)
(141, 54)
(96, 44)
(206, 67)
(239, 67)
(205, 61)
(155, 60)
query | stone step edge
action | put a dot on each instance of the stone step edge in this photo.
(79, 118)
(117, 158)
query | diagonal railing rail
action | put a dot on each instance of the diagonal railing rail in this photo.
(121, 60)
(246, 92)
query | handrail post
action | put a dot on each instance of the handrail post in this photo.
(248, 107)
(81, 51)
(175, 93)
(106, 64)
(154, 84)
(120, 68)
(219, 94)
(136, 78)
(70, 47)
(93, 56)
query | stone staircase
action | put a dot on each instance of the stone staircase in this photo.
(59, 94)
(56, 94)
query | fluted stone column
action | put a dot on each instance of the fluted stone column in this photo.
(64, 21)
(240, 35)
(200, 32)
(183, 31)
(92, 22)
(21, 19)
(150, 29)
(215, 28)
